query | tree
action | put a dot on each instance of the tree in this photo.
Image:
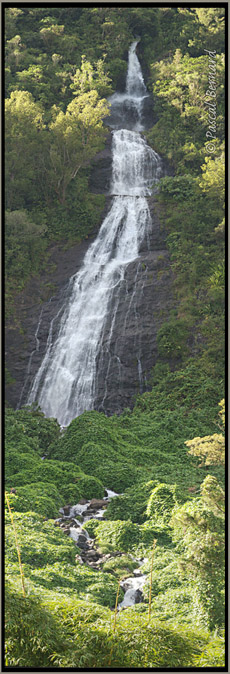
(76, 136)
(90, 77)
(11, 15)
(213, 177)
(51, 32)
(199, 530)
(211, 448)
(24, 245)
(24, 142)
(14, 48)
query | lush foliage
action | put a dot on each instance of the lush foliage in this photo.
(165, 458)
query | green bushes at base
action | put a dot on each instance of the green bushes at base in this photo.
(151, 531)
(132, 504)
(39, 541)
(76, 580)
(161, 502)
(25, 463)
(40, 497)
(118, 535)
(85, 486)
(33, 632)
(53, 630)
(122, 567)
(91, 526)
(29, 426)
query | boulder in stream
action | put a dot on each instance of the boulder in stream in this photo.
(66, 510)
(96, 503)
(92, 555)
(82, 542)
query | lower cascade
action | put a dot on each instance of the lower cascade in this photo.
(67, 380)
(72, 520)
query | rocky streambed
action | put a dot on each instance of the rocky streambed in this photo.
(71, 522)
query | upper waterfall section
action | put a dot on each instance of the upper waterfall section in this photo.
(130, 109)
(135, 85)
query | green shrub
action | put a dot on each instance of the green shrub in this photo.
(151, 530)
(57, 472)
(85, 486)
(122, 566)
(80, 432)
(39, 541)
(17, 462)
(214, 652)
(161, 502)
(32, 632)
(117, 476)
(30, 424)
(132, 504)
(172, 339)
(76, 580)
(40, 497)
(90, 487)
(177, 601)
(91, 526)
(179, 187)
(118, 535)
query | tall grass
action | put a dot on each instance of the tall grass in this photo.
(17, 544)
(151, 575)
(114, 623)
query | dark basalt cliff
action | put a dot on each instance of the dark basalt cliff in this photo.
(145, 299)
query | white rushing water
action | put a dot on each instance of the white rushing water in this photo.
(133, 584)
(65, 383)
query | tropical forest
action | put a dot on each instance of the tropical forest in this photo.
(114, 336)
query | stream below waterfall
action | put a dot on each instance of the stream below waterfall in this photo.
(66, 383)
(72, 520)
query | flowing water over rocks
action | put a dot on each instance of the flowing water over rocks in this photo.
(71, 521)
(95, 341)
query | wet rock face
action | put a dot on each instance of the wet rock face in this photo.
(101, 170)
(145, 299)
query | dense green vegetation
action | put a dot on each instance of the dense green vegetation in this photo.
(165, 458)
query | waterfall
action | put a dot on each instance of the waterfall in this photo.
(65, 383)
